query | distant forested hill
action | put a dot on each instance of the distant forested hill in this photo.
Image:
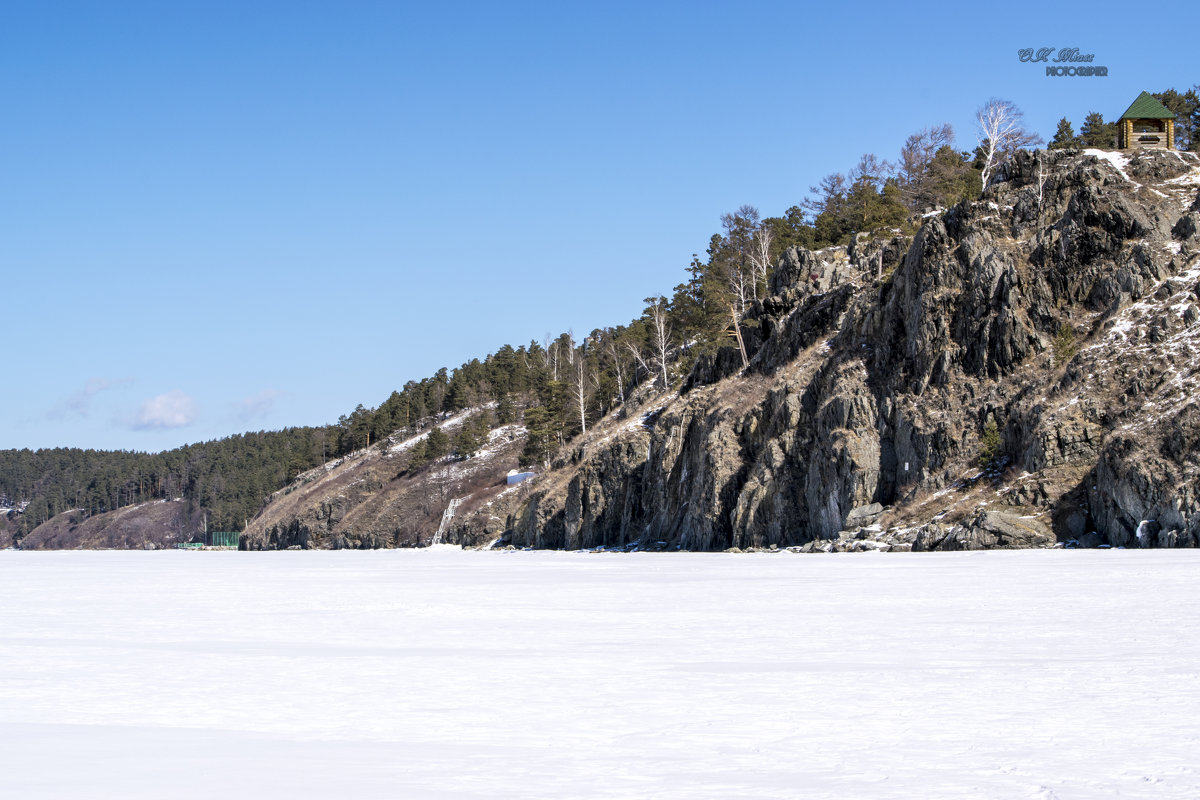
(229, 478)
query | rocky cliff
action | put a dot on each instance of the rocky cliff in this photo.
(1020, 371)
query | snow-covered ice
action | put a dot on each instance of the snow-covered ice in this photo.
(447, 674)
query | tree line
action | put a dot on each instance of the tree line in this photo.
(228, 478)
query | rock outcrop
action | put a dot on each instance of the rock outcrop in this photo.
(1061, 311)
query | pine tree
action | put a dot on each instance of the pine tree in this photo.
(418, 455)
(916, 159)
(790, 230)
(506, 412)
(1064, 137)
(1186, 106)
(1095, 132)
(991, 447)
(951, 178)
(542, 438)
(471, 436)
(437, 444)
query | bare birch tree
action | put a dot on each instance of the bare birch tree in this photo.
(639, 360)
(739, 284)
(1041, 182)
(583, 385)
(660, 341)
(610, 347)
(549, 358)
(1001, 133)
(737, 334)
(737, 252)
(559, 350)
(760, 256)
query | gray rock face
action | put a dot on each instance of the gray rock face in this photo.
(863, 515)
(1062, 307)
(1138, 488)
(599, 504)
(986, 531)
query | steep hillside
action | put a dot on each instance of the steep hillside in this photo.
(373, 498)
(1047, 331)
(161, 523)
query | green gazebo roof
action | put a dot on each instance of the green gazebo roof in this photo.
(1147, 107)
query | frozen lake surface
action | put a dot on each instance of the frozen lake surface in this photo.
(443, 674)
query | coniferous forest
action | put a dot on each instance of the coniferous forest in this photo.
(560, 385)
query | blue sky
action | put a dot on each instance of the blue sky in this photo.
(218, 217)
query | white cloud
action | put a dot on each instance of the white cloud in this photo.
(258, 406)
(79, 403)
(171, 410)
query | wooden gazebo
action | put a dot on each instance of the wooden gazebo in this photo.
(1146, 123)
